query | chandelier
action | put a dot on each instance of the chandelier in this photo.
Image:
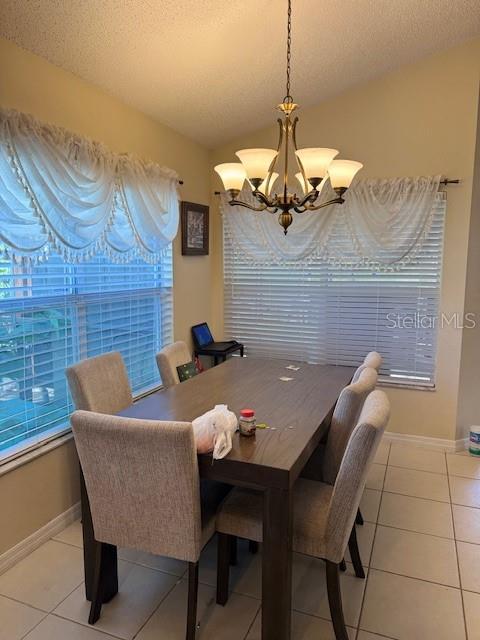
(316, 165)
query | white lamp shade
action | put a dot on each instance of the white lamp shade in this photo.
(232, 174)
(315, 160)
(256, 162)
(342, 172)
(306, 188)
(263, 186)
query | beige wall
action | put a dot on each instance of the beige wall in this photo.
(468, 413)
(35, 493)
(419, 120)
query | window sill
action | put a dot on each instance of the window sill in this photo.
(407, 386)
(21, 458)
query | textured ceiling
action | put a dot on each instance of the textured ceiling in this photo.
(214, 69)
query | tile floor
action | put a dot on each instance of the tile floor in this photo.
(420, 545)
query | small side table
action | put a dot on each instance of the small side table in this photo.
(219, 353)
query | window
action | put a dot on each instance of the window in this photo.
(323, 313)
(55, 313)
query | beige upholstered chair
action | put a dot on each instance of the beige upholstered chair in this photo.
(169, 359)
(324, 515)
(372, 359)
(100, 384)
(97, 384)
(345, 417)
(143, 486)
(325, 460)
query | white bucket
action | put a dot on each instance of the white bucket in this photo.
(474, 443)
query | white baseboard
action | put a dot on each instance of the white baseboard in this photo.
(440, 444)
(36, 539)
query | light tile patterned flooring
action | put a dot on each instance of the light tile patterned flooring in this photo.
(420, 545)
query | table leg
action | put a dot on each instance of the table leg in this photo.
(109, 553)
(277, 565)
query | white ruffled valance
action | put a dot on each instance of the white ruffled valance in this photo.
(63, 193)
(383, 222)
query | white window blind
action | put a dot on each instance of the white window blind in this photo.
(326, 313)
(53, 314)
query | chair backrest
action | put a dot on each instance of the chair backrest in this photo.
(372, 359)
(100, 384)
(142, 483)
(345, 417)
(348, 489)
(169, 358)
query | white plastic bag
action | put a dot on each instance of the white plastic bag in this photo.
(213, 431)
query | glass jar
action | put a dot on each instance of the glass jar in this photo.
(247, 423)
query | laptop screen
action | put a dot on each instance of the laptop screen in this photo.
(202, 334)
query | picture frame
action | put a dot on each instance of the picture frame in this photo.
(195, 232)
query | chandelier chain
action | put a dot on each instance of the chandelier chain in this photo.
(288, 97)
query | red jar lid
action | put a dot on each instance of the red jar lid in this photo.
(247, 413)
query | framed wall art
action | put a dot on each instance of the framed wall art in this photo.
(194, 220)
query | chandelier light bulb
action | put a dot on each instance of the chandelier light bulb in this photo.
(256, 162)
(315, 160)
(342, 172)
(232, 174)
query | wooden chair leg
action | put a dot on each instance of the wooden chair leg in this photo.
(343, 566)
(233, 550)
(335, 600)
(192, 600)
(223, 567)
(355, 554)
(359, 518)
(97, 594)
(253, 546)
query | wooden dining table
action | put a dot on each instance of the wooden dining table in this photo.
(296, 406)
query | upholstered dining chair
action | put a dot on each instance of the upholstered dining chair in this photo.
(345, 417)
(324, 515)
(325, 461)
(372, 359)
(97, 384)
(169, 358)
(143, 486)
(100, 384)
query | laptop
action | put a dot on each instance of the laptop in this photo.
(202, 337)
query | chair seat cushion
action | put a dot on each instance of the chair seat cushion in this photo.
(242, 515)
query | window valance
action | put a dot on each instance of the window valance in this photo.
(64, 193)
(383, 222)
